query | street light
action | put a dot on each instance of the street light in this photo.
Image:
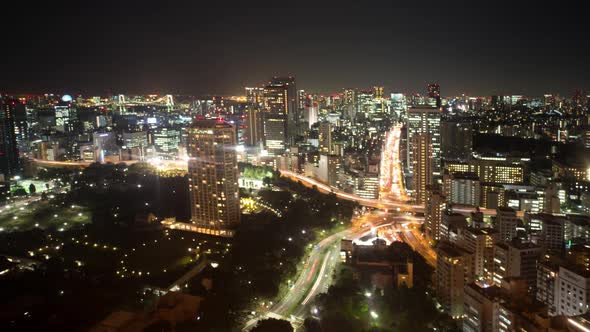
(374, 314)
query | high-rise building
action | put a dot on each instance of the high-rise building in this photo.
(65, 117)
(325, 137)
(349, 96)
(276, 99)
(548, 285)
(255, 96)
(9, 155)
(456, 140)
(282, 115)
(424, 120)
(462, 188)
(506, 308)
(255, 130)
(166, 142)
(288, 82)
(553, 233)
(506, 222)
(135, 143)
(302, 100)
(433, 213)
(480, 242)
(365, 185)
(479, 303)
(433, 90)
(434, 93)
(499, 170)
(281, 98)
(576, 227)
(491, 170)
(423, 165)
(364, 103)
(378, 93)
(136, 139)
(310, 115)
(275, 134)
(328, 168)
(104, 144)
(213, 177)
(453, 273)
(21, 125)
(573, 293)
(516, 259)
(349, 101)
(398, 104)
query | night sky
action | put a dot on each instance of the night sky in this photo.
(140, 47)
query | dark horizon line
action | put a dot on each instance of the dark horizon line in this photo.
(585, 92)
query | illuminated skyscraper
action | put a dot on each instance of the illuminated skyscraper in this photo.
(166, 142)
(302, 99)
(135, 143)
(364, 102)
(280, 102)
(311, 114)
(275, 134)
(65, 117)
(378, 92)
(276, 99)
(424, 120)
(398, 104)
(349, 96)
(423, 166)
(255, 96)
(213, 177)
(291, 96)
(9, 158)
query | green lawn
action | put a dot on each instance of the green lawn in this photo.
(41, 214)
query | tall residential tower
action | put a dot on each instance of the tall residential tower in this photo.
(213, 177)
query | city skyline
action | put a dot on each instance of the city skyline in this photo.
(368, 167)
(186, 49)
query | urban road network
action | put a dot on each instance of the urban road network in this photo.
(315, 277)
(318, 269)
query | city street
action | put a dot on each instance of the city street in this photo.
(391, 182)
(412, 236)
(316, 275)
(374, 203)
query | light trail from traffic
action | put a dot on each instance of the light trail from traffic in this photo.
(375, 203)
(181, 164)
(391, 182)
(312, 281)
